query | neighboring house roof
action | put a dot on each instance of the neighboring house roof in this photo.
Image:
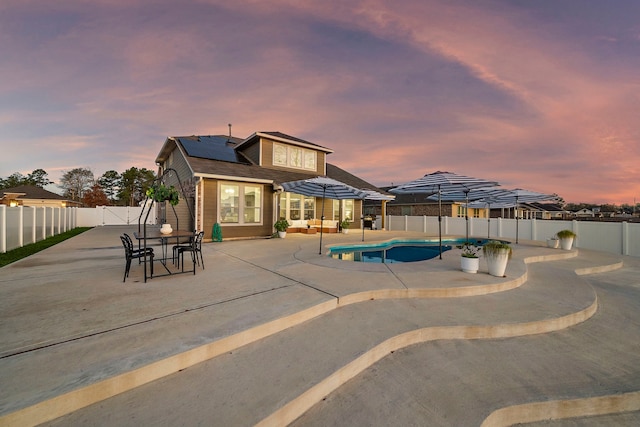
(549, 207)
(31, 192)
(411, 199)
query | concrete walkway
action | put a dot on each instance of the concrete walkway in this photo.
(273, 332)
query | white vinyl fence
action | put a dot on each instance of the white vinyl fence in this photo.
(23, 225)
(111, 215)
(622, 238)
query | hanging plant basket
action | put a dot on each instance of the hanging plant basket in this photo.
(162, 193)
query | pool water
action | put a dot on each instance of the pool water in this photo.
(396, 251)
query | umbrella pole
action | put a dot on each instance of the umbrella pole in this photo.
(324, 189)
(488, 220)
(440, 220)
(466, 215)
(516, 220)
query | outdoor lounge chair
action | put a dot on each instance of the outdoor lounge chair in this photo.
(195, 248)
(131, 253)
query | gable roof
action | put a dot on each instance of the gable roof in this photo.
(283, 137)
(218, 157)
(31, 192)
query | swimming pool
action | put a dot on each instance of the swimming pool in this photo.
(396, 251)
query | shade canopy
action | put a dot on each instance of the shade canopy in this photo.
(324, 187)
(327, 188)
(439, 182)
(375, 195)
(468, 195)
(435, 182)
(503, 198)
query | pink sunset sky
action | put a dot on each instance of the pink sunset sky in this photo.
(542, 95)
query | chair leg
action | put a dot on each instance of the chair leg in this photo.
(126, 269)
(202, 259)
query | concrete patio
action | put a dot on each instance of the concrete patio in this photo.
(273, 333)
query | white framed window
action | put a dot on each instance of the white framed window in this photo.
(346, 206)
(310, 159)
(279, 155)
(294, 157)
(296, 206)
(240, 204)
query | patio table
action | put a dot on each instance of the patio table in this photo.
(155, 234)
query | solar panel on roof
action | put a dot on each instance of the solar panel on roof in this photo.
(209, 147)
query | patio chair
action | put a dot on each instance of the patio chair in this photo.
(195, 248)
(131, 253)
(183, 244)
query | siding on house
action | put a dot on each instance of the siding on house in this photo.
(208, 161)
(252, 152)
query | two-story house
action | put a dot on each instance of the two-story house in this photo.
(237, 183)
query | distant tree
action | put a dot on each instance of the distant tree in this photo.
(134, 184)
(608, 208)
(75, 182)
(110, 183)
(14, 180)
(39, 178)
(95, 196)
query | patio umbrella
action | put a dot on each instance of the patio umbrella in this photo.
(375, 195)
(438, 182)
(488, 203)
(324, 187)
(473, 194)
(525, 196)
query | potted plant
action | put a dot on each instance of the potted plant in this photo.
(344, 226)
(497, 254)
(161, 193)
(566, 239)
(553, 242)
(281, 226)
(469, 260)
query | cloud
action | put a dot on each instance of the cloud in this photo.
(529, 95)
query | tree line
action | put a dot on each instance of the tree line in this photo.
(80, 184)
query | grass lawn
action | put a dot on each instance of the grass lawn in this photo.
(23, 252)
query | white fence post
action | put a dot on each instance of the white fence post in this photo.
(33, 224)
(44, 222)
(625, 238)
(534, 229)
(3, 228)
(20, 226)
(424, 224)
(53, 222)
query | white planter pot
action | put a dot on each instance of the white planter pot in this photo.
(470, 265)
(282, 234)
(497, 264)
(566, 243)
(553, 243)
(345, 231)
(166, 229)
